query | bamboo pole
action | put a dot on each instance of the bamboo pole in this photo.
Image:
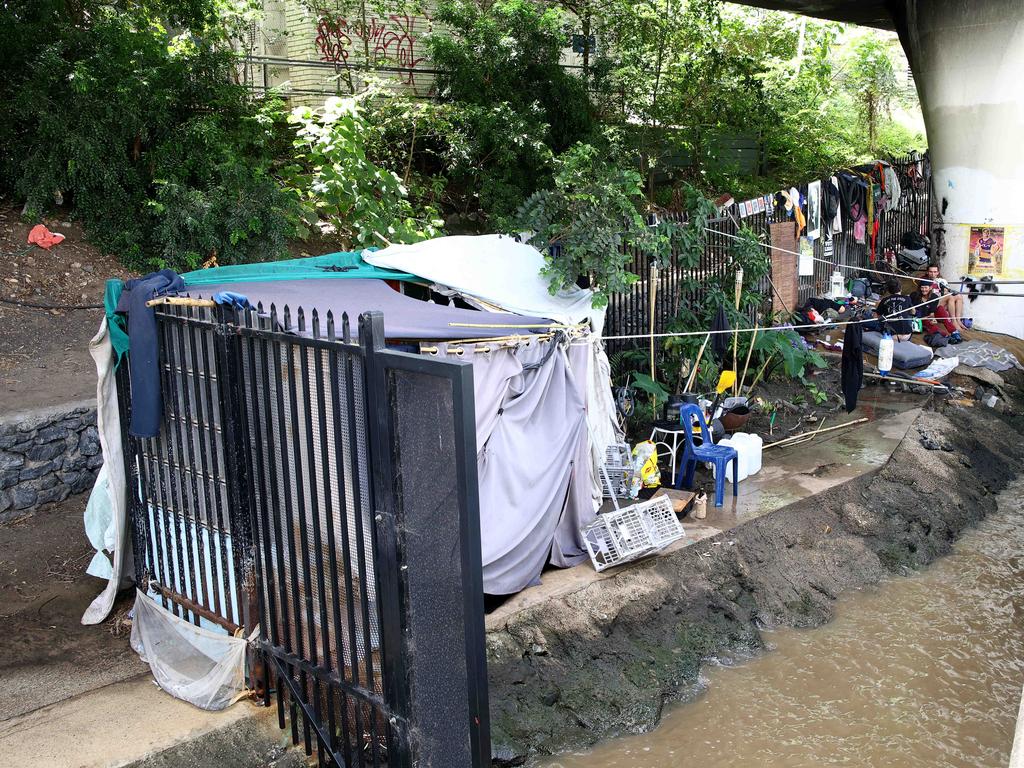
(696, 365)
(653, 291)
(920, 382)
(760, 374)
(746, 365)
(736, 333)
(513, 325)
(181, 301)
(809, 435)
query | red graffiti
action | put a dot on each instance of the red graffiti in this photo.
(391, 41)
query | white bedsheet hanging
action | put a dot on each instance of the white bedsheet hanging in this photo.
(111, 483)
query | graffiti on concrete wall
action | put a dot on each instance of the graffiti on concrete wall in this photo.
(390, 42)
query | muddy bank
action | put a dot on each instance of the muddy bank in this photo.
(604, 660)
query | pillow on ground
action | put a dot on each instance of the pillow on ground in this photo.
(905, 354)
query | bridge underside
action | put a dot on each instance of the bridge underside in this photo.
(967, 57)
(870, 13)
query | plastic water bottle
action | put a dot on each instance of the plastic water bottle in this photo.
(885, 350)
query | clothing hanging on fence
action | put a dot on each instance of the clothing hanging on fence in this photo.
(830, 202)
(143, 362)
(720, 340)
(852, 374)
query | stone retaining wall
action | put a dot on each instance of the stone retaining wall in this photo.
(46, 455)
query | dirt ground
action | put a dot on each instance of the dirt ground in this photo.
(46, 654)
(44, 356)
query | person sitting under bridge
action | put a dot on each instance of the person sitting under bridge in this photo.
(950, 300)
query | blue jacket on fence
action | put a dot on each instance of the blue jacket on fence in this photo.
(144, 350)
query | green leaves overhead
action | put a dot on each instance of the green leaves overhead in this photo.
(341, 189)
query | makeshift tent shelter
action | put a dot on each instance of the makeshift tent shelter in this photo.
(544, 409)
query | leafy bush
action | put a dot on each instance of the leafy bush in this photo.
(145, 136)
(508, 96)
(592, 221)
(341, 188)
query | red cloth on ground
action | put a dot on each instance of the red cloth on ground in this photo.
(44, 238)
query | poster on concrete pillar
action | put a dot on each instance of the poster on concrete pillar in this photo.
(986, 247)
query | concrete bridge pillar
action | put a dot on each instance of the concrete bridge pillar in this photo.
(968, 62)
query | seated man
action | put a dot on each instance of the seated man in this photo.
(938, 326)
(950, 300)
(894, 311)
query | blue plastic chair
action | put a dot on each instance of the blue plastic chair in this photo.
(721, 455)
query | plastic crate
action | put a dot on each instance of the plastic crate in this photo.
(627, 534)
(618, 471)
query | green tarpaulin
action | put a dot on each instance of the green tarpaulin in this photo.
(344, 264)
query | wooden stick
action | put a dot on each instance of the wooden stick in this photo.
(696, 365)
(749, 352)
(181, 301)
(922, 382)
(513, 325)
(650, 325)
(736, 333)
(809, 435)
(760, 374)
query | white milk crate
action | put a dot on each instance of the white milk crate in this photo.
(618, 471)
(628, 534)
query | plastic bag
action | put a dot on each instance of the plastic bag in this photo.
(99, 526)
(645, 468)
(196, 665)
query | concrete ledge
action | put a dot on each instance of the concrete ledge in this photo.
(601, 657)
(136, 724)
(46, 455)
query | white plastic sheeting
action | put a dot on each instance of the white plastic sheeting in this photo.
(494, 268)
(110, 487)
(204, 668)
(101, 527)
(499, 272)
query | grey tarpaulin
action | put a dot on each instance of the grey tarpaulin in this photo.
(534, 455)
(404, 316)
(533, 460)
(981, 354)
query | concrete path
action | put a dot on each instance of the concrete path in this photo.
(76, 696)
(134, 723)
(787, 475)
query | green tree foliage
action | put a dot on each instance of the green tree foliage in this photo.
(594, 218)
(143, 133)
(342, 189)
(872, 80)
(499, 73)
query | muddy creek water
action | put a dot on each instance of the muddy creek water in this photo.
(918, 671)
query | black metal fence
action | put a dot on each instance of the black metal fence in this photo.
(291, 487)
(629, 313)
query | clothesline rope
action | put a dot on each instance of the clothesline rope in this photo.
(850, 266)
(901, 315)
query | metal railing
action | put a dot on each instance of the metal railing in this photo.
(289, 487)
(629, 312)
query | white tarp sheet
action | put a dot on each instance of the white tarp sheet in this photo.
(494, 268)
(532, 458)
(504, 273)
(204, 668)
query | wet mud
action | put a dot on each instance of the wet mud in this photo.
(605, 660)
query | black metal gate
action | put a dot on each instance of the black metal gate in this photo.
(326, 485)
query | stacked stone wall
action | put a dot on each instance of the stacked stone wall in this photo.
(46, 455)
